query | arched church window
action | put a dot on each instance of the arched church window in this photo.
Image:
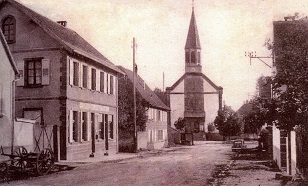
(9, 29)
(199, 58)
(193, 57)
(187, 57)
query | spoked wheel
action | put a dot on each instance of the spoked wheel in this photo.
(45, 161)
(20, 160)
(4, 172)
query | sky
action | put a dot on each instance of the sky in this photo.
(227, 29)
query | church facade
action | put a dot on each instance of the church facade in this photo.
(194, 96)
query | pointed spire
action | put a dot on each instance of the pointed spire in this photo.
(192, 41)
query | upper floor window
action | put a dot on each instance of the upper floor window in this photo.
(76, 73)
(9, 29)
(84, 76)
(34, 72)
(93, 78)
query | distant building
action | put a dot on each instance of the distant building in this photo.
(194, 96)
(154, 135)
(66, 85)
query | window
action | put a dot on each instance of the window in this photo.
(111, 85)
(110, 122)
(193, 57)
(199, 58)
(100, 127)
(75, 73)
(93, 77)
(34, 72)
(75, 126)
(84, 121)
(160, 135)
(158, 117)
(9, 29)
(102, 81)
(201, 127)
(84, 76)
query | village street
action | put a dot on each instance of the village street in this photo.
(205, 163)
(185, 165)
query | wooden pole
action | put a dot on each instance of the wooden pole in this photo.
(134, 95)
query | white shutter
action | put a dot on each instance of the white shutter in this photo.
(21, 68)
(89, 77)
(70, 128)
(45, 71)
(106, 83)
(114, 85)
(98, 86)
(71, 70)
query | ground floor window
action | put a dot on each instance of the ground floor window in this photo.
(160, 135)
(110, 126)
(75, 126)
(84, 121)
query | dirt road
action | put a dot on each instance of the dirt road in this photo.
(189, 165)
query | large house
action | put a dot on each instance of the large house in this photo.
(14, 132)
(194, 96)
(154, 135)
(66, 85)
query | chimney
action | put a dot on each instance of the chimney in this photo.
(63, 23)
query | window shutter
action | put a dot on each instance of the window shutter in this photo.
(21, 68)
(114, 85)
(70, 129)
(98, 86)
(71, 72)
(45, 71)
(89, 125)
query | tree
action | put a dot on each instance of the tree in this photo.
(290, 82)
(180, 124)
(211, 127)
(126, 108)
(228, 123)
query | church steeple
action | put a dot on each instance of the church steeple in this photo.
(192, 47)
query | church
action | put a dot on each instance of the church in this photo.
(194, 96)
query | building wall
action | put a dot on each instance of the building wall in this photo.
(155, 135)
(7, 76)
(276, 146)
(57, 97)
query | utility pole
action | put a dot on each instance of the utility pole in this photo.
(253, 55)
(134, 95)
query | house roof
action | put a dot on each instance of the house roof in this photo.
(145, 91)
(244, 109)
(192, 41)
(194, 74)
(68, 38)
(8, 52)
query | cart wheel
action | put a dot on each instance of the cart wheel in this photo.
(4, 172)
(20, 160)
(45, 161)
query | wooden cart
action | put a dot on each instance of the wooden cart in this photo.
(22, 161)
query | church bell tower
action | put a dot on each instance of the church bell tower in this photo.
(193, 47)
(194, 113)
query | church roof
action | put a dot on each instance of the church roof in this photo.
(192, 41)
(218, 88)
(145, 91)
(68, 38)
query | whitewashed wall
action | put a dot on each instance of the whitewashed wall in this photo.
(276, 146)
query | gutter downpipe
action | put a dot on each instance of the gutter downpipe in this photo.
(17, 77)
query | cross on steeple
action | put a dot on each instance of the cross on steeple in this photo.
(193, 5)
